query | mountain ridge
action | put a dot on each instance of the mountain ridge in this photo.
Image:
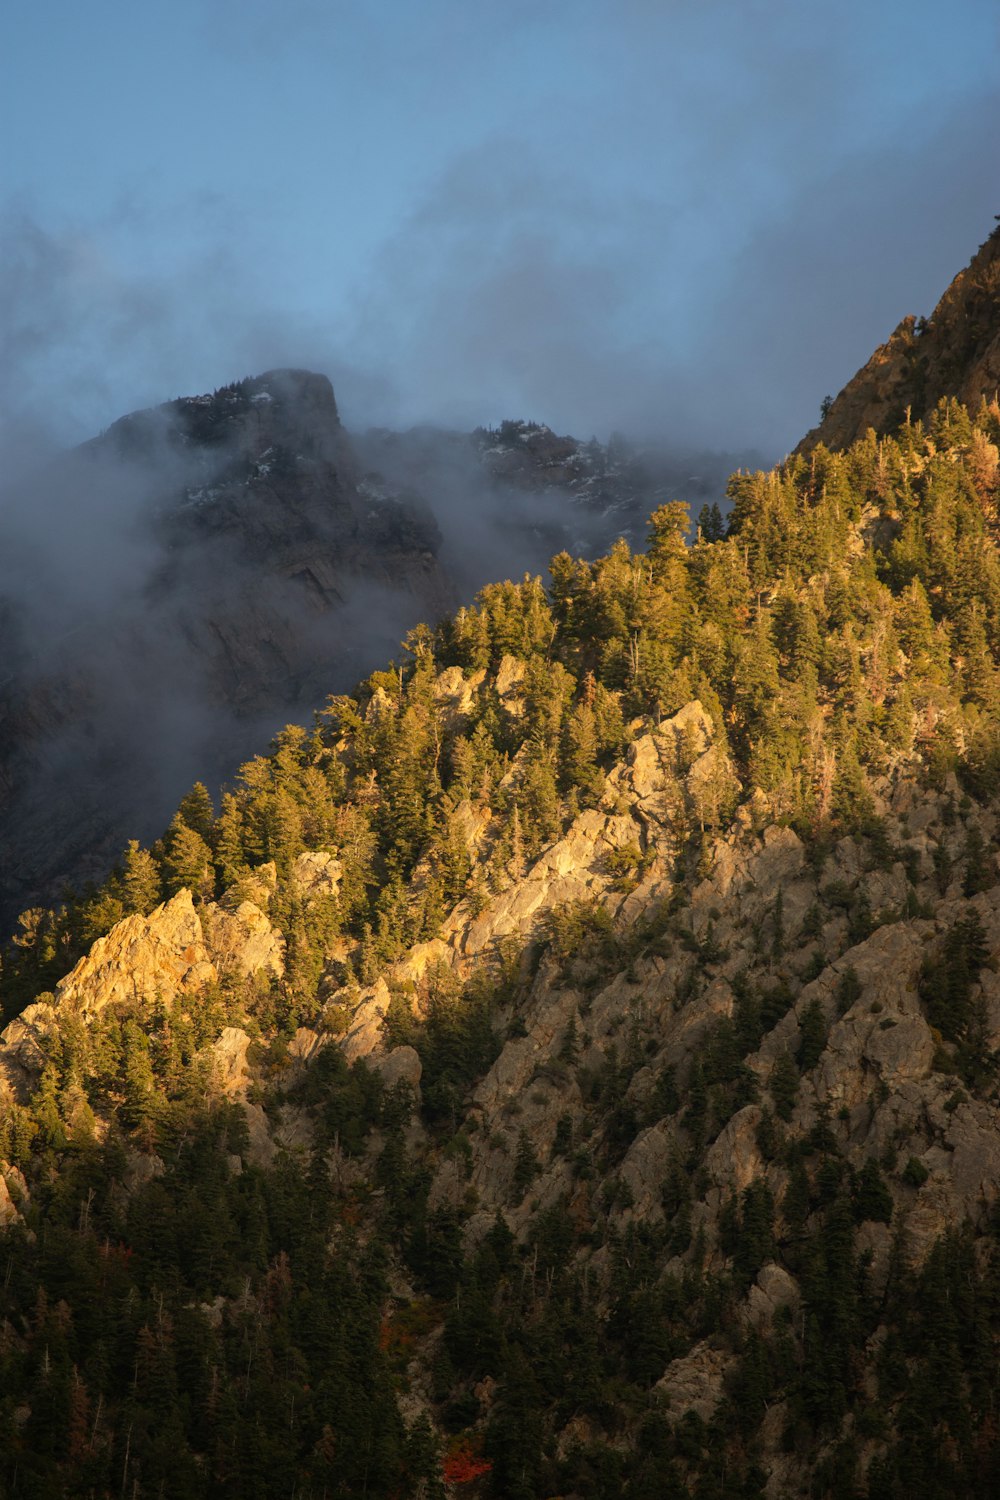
(579, 1047)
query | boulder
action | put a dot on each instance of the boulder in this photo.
(401, 1065)
(316, 874)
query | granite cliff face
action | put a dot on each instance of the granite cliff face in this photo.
(955, 352)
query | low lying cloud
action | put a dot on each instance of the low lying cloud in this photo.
(596, 316)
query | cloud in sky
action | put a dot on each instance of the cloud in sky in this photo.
(644, 215)
(494, 274)
(81, 324)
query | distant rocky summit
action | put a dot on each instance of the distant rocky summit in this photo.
(259, 572)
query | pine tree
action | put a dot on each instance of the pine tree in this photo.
(795, 1202)
(525, 1164)
(187, 861)
(228, 842)
(141, 889)
(784, 1085)
(196, 810)
(141, 1100)
(711, 527)
(872, 1198)
(812, 1036)
(979, 865)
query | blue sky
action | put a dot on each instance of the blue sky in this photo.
(688, 220)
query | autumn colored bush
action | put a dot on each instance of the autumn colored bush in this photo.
(462, 1464)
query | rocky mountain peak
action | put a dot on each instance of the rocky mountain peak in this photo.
(250, 532)
(281, 404)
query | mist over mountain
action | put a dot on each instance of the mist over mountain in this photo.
(508, 498)
(177, 588)
(170, 590)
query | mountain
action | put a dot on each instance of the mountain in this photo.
(568, 1067)
(538, 492)
(571, 1064)
(956, 352)
(175, 590)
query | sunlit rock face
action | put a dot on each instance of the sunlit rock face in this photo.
(170, 958)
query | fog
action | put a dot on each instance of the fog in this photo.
(169, 600)
(161, 618)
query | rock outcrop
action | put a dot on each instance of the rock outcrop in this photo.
(316, 875)
(154, 958)
(230, 1069)
(665, 773)
(242, 941)
(168, 958)
(13, 1192)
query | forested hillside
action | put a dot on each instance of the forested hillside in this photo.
(566, 1068)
